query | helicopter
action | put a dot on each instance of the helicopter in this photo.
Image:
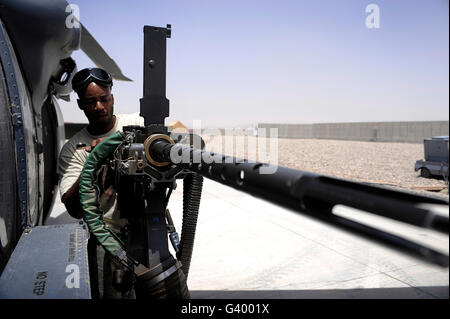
(37, 39)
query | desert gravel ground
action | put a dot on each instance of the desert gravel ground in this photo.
(387, 164)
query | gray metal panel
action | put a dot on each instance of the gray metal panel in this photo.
(45, 264)
(436, 150)
(440, 138)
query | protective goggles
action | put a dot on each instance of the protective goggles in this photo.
(86, 76)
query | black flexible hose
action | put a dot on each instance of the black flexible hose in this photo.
(192, 192)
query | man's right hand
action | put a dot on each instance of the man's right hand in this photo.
(71, 198)
(94, 143)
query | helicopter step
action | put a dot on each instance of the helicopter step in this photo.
(49, 262)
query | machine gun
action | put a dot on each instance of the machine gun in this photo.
(147, 161)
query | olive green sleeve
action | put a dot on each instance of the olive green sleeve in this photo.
(89, 194)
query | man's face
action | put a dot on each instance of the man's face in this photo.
(98, 105)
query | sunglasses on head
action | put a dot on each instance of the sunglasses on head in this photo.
(85, 76)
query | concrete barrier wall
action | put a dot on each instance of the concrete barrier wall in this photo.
(410, 132)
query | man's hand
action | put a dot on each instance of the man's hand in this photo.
(94, 143)
(71, 198)
(107, 183)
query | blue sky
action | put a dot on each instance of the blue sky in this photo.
(235, 63)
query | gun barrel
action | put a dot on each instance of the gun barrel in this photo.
(313, 194)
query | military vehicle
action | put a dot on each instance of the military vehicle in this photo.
(436, 158)
(36, 71)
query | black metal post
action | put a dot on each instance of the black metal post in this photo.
(154, 104)
(155, 216)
